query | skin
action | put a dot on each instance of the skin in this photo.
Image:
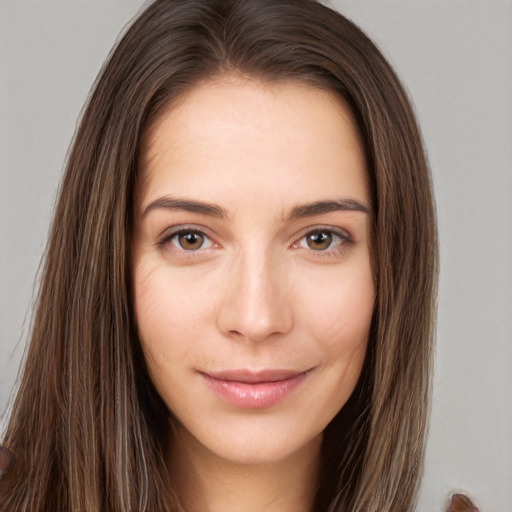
(256, 283)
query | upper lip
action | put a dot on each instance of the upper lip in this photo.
(254, 376)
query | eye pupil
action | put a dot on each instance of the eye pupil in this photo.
(191, 241)
(319, 241)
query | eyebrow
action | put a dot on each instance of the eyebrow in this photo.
(172, 203)
(298, 212)
(320, 207)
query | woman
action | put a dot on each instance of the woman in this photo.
(239, 285)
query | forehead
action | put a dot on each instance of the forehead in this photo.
(238, 133)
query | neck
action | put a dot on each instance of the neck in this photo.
(208, 483)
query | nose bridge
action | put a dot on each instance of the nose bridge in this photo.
(256, 305)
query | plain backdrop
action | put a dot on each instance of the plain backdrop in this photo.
(455, 58)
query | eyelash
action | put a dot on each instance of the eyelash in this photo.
(334, 249)
(343, 237)
(172, 235)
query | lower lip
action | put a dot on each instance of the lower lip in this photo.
(258, 395)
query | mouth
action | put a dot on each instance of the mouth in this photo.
(255, 377)
(254, 389)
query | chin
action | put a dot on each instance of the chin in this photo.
(251, 440)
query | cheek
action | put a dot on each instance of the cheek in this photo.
(340, 312)
(167, 299)
(163, 318)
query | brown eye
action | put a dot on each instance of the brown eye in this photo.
(190, 240)
(319, 240)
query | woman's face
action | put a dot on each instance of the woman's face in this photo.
(251, 267)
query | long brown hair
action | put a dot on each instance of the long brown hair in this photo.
(87, 428)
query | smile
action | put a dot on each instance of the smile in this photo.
(253, 390)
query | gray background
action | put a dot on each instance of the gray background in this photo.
(455, 58)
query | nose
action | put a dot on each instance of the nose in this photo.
(257, 304)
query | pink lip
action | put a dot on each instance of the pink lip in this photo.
(253, 390)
